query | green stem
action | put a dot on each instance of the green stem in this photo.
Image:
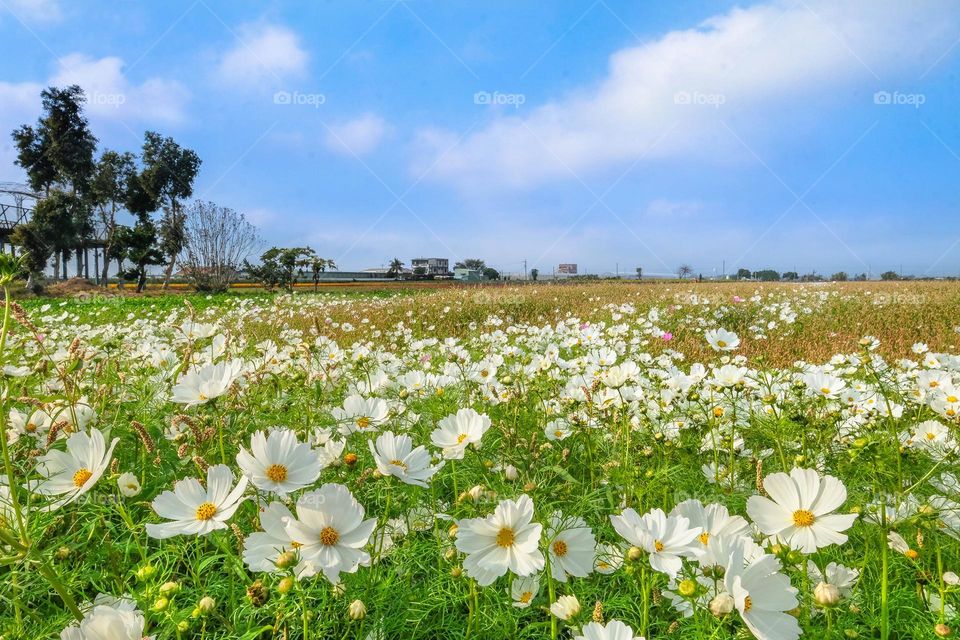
(51, 576)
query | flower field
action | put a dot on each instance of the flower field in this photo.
(598, 461)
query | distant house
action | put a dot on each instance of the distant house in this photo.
(386, 272)
(468, 275)
(431, 266)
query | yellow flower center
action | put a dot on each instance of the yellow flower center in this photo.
(934, 384)
(525, 597)
(30, 428)
(399, 463)
(558, 433)
(363, 422)
(329, 536)
(559, 548)
(951, 398)
(461, 438)
(658, 545)
(721, 343)
(277, 472)
(81, 476)
(206, 510)
(505, 537)
(202, 396)
(825, 390)
(295, 545)
(802, 518)
(747, 604)
(718, 412)
(931, 435)
(704, 538)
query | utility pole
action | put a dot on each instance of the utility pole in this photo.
(524, 268)
(618, 270)
(724, 271)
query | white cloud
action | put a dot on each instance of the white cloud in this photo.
(263, 53)
(111, 94)
(664, 208)
(670, 97)
(35, 11)
(357, 136)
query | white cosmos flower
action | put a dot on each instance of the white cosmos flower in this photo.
(800, 509)
(459, 430)
(524, 590)
(572, 547)
(204, 383)
(565, 607)
(194, 510)
(666, 539)
(331, 531)
(762, 596)
(361, 414)
(71, 473)
(613, 630)
(557, 430)
(36, 424)
(395, 456)
(823, 384)
(722, 340)
(843, 578)
(262, 548)
(713, 520)
(128, 484)
(277, 462)
(119, 621)
(504, 540)
(608, 559)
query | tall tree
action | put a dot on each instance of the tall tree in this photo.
(167, 178)
(109, 191)
(139, 246)
(396, 267)
(218, 241)
(58, 153)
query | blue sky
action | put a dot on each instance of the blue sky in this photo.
(793, 134)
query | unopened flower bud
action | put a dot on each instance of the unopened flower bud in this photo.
(721, 605)
(350, 459)
(942, 630)
(159, 605)
(687, 588)
(285, 585)
(286, 560)
(357, 610)
(510, 472)
(826, 595)
(169, 588)
(206, 604)
(634, 553)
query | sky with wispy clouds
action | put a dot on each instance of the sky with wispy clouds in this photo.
(790, 134)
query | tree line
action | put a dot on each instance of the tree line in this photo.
(83, 193)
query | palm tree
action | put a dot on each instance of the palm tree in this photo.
(396, 267)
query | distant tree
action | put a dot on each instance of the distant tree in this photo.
(471, 263)
(139, 246)
(315, 265)
(684, 271)
(109, 191)
(639, 273)
(840, 276)
(396, 267)
(862, 277)
(766, 275)
(889, 275)
(791, 275)
(813, 276)
(218, 240)
(167, 178)
(534, 274)
(490, 273)
(30, 239)
(743, 274)
(420, 271)
(278, 266)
